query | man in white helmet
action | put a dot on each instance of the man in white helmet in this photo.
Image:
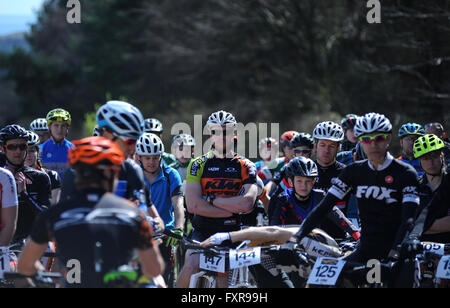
(220, 186)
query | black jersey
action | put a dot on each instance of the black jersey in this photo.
(96, 229)
(55, 179)
(32, 201)
(387, 199)
(438, 206)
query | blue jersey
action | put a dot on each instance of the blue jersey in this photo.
(162, 189)
(54, 156)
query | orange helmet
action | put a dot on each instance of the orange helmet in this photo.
(95, 150)
(287, 137)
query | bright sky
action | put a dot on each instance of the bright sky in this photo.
(19, 7)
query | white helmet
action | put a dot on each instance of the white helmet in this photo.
(39, 125)
(152, 125)
(33, 139)
(329, 131)
(371, 123)
(149, 144)
(122, 118)
(221, 118)
(183, 140)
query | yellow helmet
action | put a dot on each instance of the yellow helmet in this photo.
(58, 115)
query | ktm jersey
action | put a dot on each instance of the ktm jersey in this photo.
(220, 177)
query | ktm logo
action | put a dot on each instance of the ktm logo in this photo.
(223, 184)
(375, 192)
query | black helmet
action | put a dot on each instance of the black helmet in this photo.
(302, 139)
(301, 166)
(13, 132)
(349, 121)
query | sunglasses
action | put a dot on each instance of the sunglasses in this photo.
(377, 138)
(125, 140)
(14, 147)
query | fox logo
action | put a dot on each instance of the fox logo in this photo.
(375, 192)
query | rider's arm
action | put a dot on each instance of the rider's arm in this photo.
(239, 204)
(148, 253)
(29, 258)
(343, 222)
(178, 210)
(9, 222)
(441, 225)
(196, 204)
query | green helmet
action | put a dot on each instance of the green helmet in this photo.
(60, 115)
(426, 144)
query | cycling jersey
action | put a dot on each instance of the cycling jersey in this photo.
(182, 169)
(415, 163)
(168, 158)
(8, 191)
(2, 159)
(291, 211)
(54, 156)
(387, 198)
(55, 179)
(167, 185)
(220, 177)
(32, 201)
(271, 169)
(99, 230)
(437, 204)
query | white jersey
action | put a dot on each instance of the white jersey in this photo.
(8, 189)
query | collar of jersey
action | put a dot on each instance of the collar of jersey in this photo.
(387, 163)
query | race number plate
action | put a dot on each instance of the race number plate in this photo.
(436, 248)
(326, 271)
(213, 263)
(245, 257)
(443, 270)
(4, 261)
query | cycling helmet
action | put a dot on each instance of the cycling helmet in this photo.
(183, 140)
(221, 118)
(301, 166)
(33, 139)
(58, 115)
(302, 139)
(372, 123)
(287, 137)
(122, 118)
(95, 151)
(268, 142)
(410, 129)
(329, 131)
(13, 132)
(39, 125)
(97, 132)
(149, 144)
(153, 126)
(349, 121)
(426, 144)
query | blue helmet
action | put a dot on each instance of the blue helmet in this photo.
(410, 129)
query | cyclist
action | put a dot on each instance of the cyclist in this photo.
(327, 137)
(429, 150)
(33, 161)
(347, 124)
(40, 127)
(183, 147)
(266, 146)
(105, 230)
(386, 189)
(8, 204)
(270, 171)
(408, 133)
(154, 126)
(438, 130)
(295, 204)
(228, 183)
(165, 188)
(54, 151)
(33, 186)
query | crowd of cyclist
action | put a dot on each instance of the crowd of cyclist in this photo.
(102, 199)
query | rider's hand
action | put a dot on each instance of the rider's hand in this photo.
(410, 248)
(171, 241)
(216, 239)
(157, 229)
(21, 182)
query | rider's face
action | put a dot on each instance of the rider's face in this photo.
(432, 162)
(326, 151)
(222, 138)
(302, 185)
(16, 150)
(59, 130)
(32, 157)
(151, 163)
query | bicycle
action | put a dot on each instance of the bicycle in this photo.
(427, 263)
(45, 280)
